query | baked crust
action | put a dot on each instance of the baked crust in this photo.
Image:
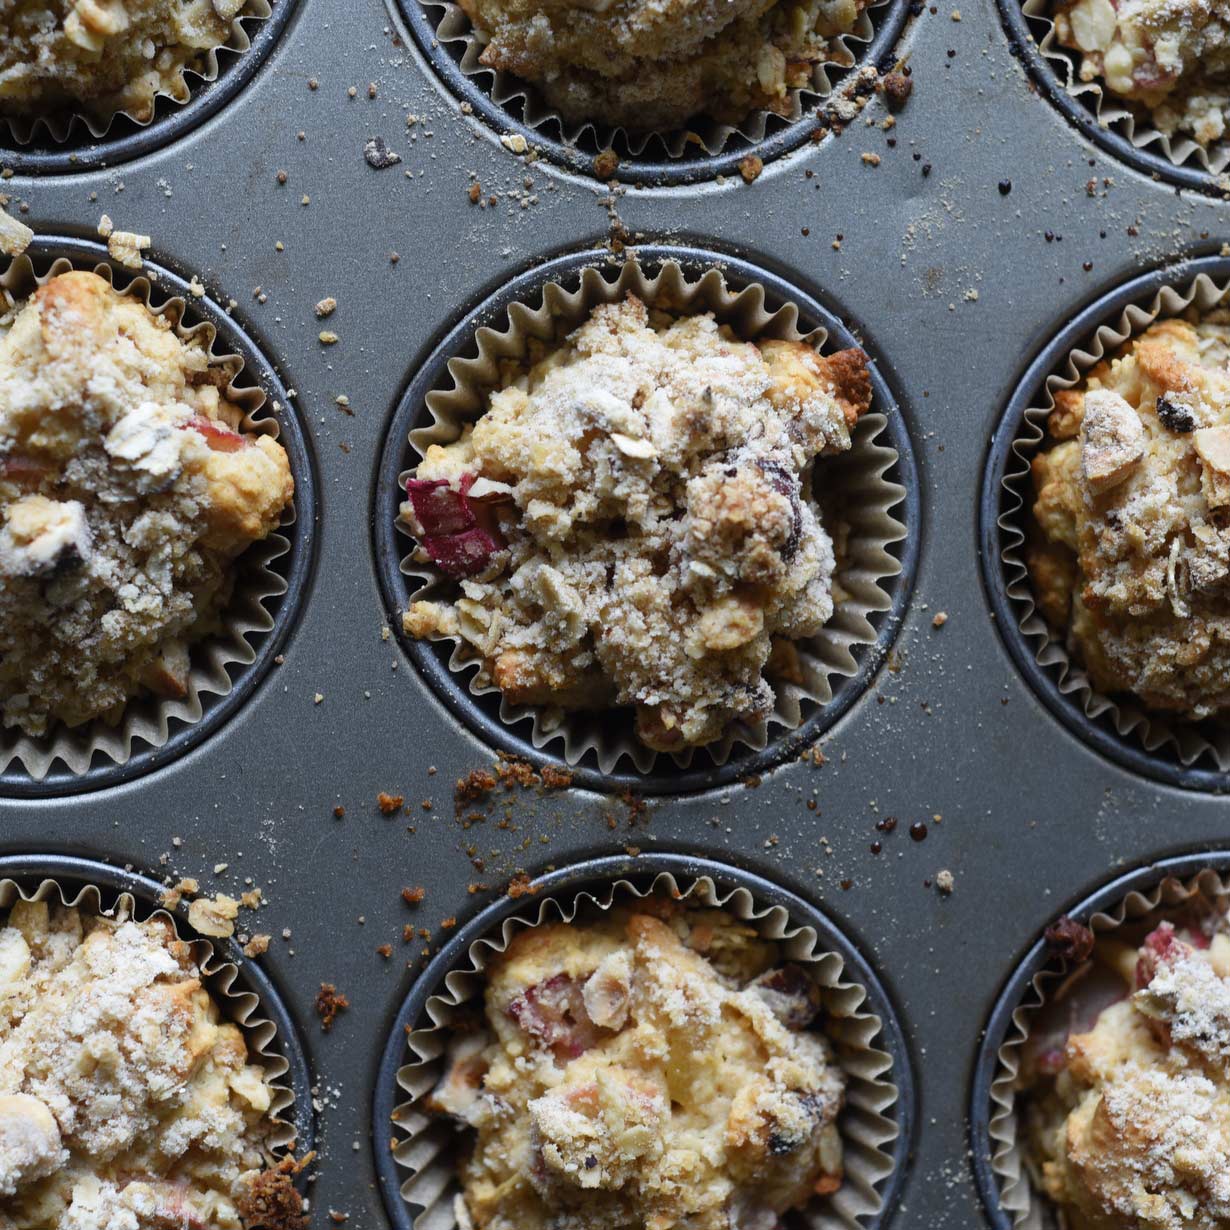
(105, 56)
(128, 486)
(646, 1069)
(1129, 1123)
(1170, 58)
(632, 520)
(653, 64)
(1130, 558)
(125, 1099)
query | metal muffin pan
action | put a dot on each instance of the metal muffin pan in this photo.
(1033, 815)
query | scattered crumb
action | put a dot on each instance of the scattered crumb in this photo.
(945, 882)
(389, 803)
(941, 618)
(412, 896)
(329, 1002)
(215, 918)
(750, 168)
(326, 307)
(257, 946)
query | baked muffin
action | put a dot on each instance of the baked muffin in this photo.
(126, 1101)
(1128, 1123)
(651, 1069)
(103, 56)
(647, 66)
(1168, 59)
(632, 520)
(128, 487)
(1130, 558)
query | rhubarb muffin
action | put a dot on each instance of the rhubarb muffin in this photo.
(656, 65)
(1128, 1113)
(633, 520)
(1169, 60)
(656, 1067)
(129, 485)
(1130, 555)
(126, 1100)
(98, 57)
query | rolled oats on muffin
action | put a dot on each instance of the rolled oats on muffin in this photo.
(1127, 1081)
(645, 64)
(1129, 554)
(128, 488)
(632, 520)
(126, 1101)
(656, 1067)
(1168, 59)
(103, 56)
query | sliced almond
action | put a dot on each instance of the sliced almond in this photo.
(15, 237)
(1112, 440)
(487, 490)
(1212, 445)
(214, 918)
(643, 450)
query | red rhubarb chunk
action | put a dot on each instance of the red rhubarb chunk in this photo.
(219, 437)
(1161, 948)
(19, 468)
(441, 509)
(462, 555)
(554, 1012)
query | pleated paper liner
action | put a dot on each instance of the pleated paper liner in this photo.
(1157, 734)
(259, 580)
(1137, 912)
(66, 126)
(426, 1149)
(1112, 113)
(453, 36)
(853, 486)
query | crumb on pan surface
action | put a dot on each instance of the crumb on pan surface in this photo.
(127, 489)
(105, 56)
(632, 521)
(1171, 58)
(1128, 1112)
(652, 1068)
(653, 64)
(1130, 547)
(126, 1101)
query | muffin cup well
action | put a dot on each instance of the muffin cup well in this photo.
(417, 1153)
(508, 103)
(1132, 901)
(269, 576)
(243, 993)
(872, 575)
(1103, 117)
(64, 140)
(1187, 753)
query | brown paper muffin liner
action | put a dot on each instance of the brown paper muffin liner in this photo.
(58, 127)
(855, 483)
(1019, 1196)
(218, 976)
(428, 1150)
(1189, 741)
(1112, 112)
(506, 89)
(149, 719)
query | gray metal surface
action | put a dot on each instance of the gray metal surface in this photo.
(1031, 819)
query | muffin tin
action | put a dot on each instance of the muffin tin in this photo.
(988, 226)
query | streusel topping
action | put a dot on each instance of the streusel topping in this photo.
(1132, 1122)
(1132, 504)
(126, 1101)
(104, 56)
(1169, 57)
(653, 1068)
(653, 64)
(128, 486)
(632, 520)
